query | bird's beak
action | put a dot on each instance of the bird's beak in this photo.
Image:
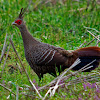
(13, 23)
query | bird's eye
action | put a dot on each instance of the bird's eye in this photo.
(18, 22)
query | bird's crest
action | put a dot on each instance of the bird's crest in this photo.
(22, 13)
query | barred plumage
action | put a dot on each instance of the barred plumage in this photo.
(44, 58)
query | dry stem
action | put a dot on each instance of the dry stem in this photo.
(5, 61)
(25, 70)
(94, 36)
(7, 89)
(17, 92)
(4, 49)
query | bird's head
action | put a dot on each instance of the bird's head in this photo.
(19, 21)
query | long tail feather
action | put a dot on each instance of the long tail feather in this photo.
(86, 56)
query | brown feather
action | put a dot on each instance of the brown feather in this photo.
(88, 51)
(86, 55)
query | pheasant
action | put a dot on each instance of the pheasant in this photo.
(44, 58)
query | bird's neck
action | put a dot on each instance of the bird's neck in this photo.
(28, 39)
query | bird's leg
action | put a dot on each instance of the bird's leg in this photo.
(40, 79)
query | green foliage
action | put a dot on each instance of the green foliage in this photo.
(60, 25)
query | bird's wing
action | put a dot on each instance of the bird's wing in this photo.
(51, 57)
(46, 55)
(66, 53)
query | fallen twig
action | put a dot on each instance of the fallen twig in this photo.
(52, 92)
(89, 42)
(81, 79)
(60, 77)
(97, 40)
(19, 68)
(7, 89)
(6, 57)
(93, 35)
(74, 81)
(50, 84)
(17, 92)
(35, 89)
(64, 78)
(91, 28)
(53, 89)
(4, 48)
(82, 44)
(5, 61)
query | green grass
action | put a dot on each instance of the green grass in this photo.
(60, 25)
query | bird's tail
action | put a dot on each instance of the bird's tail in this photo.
(86, 55)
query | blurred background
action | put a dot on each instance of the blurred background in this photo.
(62, 23)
